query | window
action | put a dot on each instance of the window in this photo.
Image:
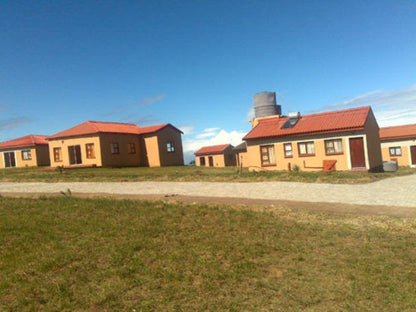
(333, 147)
(90, 150)
(395, 151)
(267, 155)
(115, 148)
(57, 154)
(306, 149)
(170, 147)
(202, 161)
(26, 155)
(288, 150)
(132, 148)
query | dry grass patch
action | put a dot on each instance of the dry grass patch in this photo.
(66, 254)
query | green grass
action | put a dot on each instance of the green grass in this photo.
(69, 254)
(189, 173)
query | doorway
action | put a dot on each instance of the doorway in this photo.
(9, 160)
(210, 161)
(357, 153)
(74, 152)
(413, 154)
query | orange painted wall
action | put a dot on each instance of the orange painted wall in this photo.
(39, 155)
(151, 154)
(305, 163)
(218, 160)
(404, 159)
(82, 141)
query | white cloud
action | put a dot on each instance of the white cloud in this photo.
(219, 136)
(206, 135)
(211, 129)
(187, 129)
(394, 107)
(395, 117)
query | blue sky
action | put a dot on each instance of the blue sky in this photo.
(197, 64)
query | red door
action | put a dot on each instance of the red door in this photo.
(413, 154)
(357, 153)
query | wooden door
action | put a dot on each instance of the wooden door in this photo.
(357, 153)
(9, 160)
(413, 154)
(74, 152)
(211, 161)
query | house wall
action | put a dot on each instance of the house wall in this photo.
(240, 159)
(123, 159)
(82, 141)
(405, 158)
(169, 134)
(154, 151)
(38, 159)
(218, 160)
(372, 130)
(306, 163)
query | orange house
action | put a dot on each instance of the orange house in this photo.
(399, 144)
(27, 151)
(111, 144)
(216, 156)
(338, 140)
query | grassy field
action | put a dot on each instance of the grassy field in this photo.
(69, 254)
(189, 173)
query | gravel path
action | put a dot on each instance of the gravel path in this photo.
(398, 191)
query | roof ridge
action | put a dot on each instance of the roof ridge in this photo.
(112, 122)
(93, 125)
(338, 111)
(406, 125)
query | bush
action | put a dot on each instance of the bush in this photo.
(296, 168)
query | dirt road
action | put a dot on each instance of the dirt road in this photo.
(398, 191)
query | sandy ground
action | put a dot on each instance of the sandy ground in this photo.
(394, 192)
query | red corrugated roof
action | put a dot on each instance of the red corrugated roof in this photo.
(155, 128)
(92, 127)
(329, 122)
(398, 132)
(210, 150)
(26, 141)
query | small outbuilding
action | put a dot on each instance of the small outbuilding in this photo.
(398, 143)
(28, 151)
(216, 156)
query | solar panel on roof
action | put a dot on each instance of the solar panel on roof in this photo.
(290, 123)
